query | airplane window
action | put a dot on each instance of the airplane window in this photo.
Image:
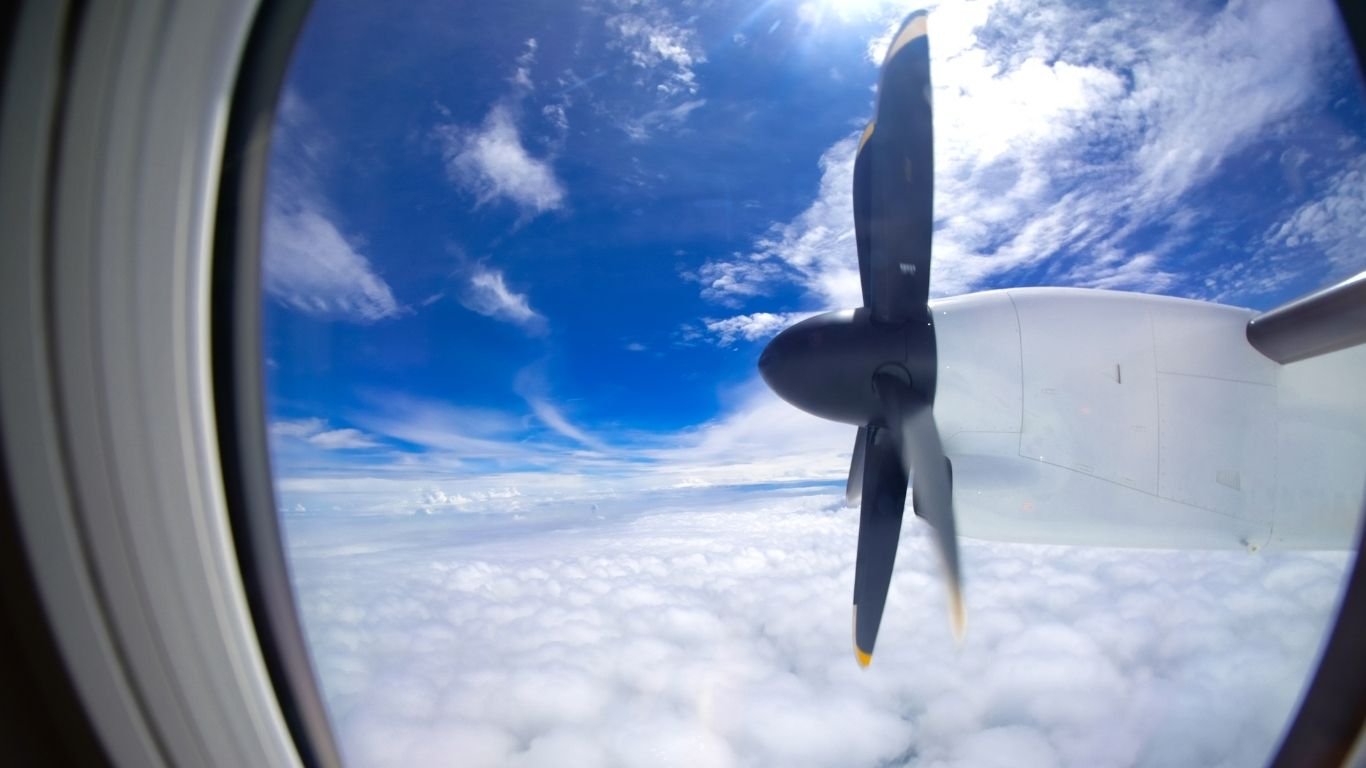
(544, 502)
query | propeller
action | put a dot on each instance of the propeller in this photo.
(876, 366)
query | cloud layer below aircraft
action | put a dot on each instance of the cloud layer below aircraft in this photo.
(715, 631)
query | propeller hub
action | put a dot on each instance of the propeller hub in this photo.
(825, 364)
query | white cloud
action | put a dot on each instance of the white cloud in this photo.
(1317, 243)
(521, 78)
(665, 118)
(551, 417)
(1058, 134)
(696, 630)
(1113, 268)
(491, 163)
(1210, 97)
(730, 282)
(300, 428)
(555, 113)
(311, 267)
(462, 433)
(530, 383)
(658, 45)
(1333, 224)
(315, 432)
(434, 500)
(342, 438)
(752, 327)
(486, 292)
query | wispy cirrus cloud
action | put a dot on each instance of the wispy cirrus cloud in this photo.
(308, 264)
(1321, 241)
(531, 384)
(492, 163)
(316, 432)
(641, 127)
(755, 326)
(1332, 225)
(521, 77)
(485, 291)
(552, 417)
(443, 435)
(311, 267)
(662, 48)
(491, 160)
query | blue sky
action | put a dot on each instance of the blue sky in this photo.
(520, 261)
(502, 242)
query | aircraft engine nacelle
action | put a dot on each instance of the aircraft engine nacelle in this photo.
(1099, 417)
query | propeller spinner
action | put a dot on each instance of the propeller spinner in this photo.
(875, 366)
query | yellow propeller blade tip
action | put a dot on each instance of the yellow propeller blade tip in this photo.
(867, 134)
(864, 659)
(957, 616)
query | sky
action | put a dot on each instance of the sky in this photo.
(519, 262)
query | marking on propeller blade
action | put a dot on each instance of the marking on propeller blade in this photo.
(907, 269)
(918, 27)
(867, 134)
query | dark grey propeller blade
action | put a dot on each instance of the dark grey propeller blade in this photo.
(879, 528)
(911, 423)
(853, 490)
(898, 182)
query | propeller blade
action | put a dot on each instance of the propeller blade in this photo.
(898, 182)
(879, 529)
(913, 429)
(853, 490)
